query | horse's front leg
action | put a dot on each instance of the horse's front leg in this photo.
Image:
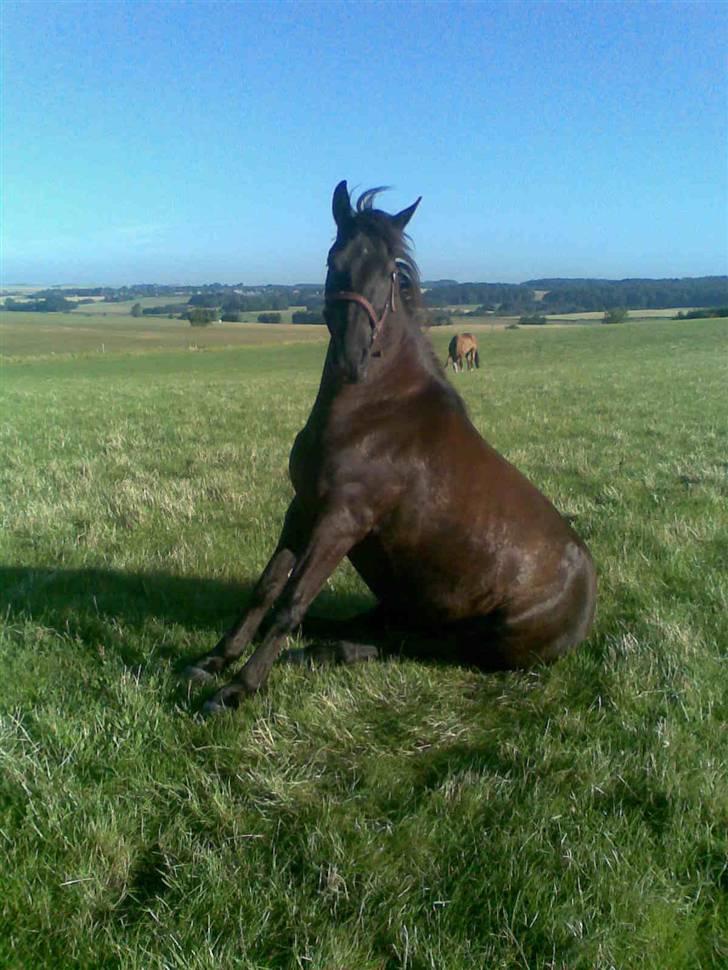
(267, 589)
(334, 535)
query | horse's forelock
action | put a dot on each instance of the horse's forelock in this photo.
(366, 199)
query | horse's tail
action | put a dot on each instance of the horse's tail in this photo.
(477, 358)
(452, 353)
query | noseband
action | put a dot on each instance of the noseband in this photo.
(376, 322)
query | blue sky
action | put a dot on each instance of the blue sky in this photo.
(201, 141)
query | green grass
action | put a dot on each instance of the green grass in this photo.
(395, 815)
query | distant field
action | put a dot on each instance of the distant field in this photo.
(493, 320)
(400, 815)
(38, 334)
(124, 308)
(634, 315)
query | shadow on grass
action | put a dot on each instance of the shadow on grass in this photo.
(105, 605)
(148, 619)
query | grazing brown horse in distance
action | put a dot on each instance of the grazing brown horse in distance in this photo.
(467, 559)
(463, 347)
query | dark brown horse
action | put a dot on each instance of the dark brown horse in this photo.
(463, 347)
(466, 558)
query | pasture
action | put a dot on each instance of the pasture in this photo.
(395, 815)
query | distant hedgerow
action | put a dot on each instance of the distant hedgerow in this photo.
(308, 316)
(706, 314)
(202, 317)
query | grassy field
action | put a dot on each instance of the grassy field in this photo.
(399, 815)
(92, 330)
(596, 316)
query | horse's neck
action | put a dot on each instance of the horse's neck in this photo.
(397, 361)
(398, 355)
(410, 355)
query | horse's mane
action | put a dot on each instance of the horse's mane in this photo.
(379, 224)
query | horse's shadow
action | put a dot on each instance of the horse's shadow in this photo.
(182, 615)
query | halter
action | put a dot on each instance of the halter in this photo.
(376, 322)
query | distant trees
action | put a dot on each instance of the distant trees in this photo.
(54, 303)
(269, 318)
(230, 301)
(57, 303)
(617, 314)
(578, 295)
(168, 310)
(492, 294)
(537, 297)
(706, 314)
(202, 316)
(136, 310)
(635, 294)
(533, 319)
(438, 318)
(268, 299)
(204, 300)
(308, 316)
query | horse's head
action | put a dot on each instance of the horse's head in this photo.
(361, 284)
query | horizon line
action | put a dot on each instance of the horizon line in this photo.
(444, 279)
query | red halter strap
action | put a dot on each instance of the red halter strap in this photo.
(375, 322)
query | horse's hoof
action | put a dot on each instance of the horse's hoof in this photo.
(196, 675)
(226, 699)
(212, 708)
(297, 657)
(353, 653)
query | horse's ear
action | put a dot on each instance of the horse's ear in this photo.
(403, 217)
(340, 205)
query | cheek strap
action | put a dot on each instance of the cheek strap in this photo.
(376, 322)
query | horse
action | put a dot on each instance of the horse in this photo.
(463, 347)
(469, 562)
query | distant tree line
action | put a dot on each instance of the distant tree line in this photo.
(436, 318)
(202, 316)
(617, 314)
(169, 309)
(231, 302)
(716, 311)
(510, 299)
(636, 294)
(579, 295)
(55, 303)
(486, 295)
(308, 316)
